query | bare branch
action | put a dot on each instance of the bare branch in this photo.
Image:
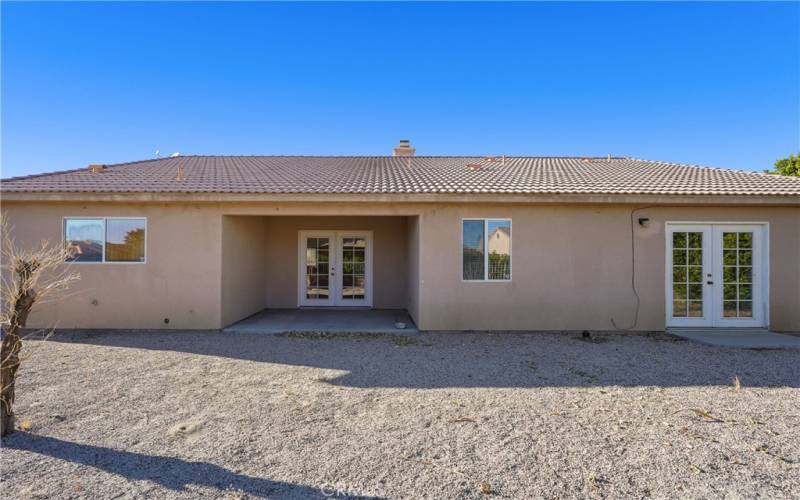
(27, 276)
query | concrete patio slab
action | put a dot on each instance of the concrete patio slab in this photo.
(271, 321)
(746, 338)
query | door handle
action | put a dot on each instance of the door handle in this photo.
(709, 282)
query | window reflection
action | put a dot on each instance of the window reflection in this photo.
(317, 281)
(125, 240)
(499, 245)
(472, 250)
(486, 249)
(353, 268)
(84, 239)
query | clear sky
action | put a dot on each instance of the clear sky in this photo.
(715, 84)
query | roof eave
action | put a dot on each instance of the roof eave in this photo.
(535, 198)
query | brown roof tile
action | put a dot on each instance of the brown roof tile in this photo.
(419, 174)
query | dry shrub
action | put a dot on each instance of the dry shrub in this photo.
(28, 276)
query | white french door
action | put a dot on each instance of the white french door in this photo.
(715, 275)
(335, 268)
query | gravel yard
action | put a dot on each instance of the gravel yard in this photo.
(190, 414)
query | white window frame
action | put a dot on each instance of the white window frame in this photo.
(486, 250)
(105, 238)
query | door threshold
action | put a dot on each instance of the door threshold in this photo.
(337, 308)
(718, 329)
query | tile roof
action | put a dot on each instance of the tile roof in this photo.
(418, 174)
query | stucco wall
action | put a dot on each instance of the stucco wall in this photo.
(244, 266)
(389, 267)
(572, 267)
(180, 280)
(412, 252)
(571, 263)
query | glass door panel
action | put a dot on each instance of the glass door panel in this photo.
(316, 269)
(738, 271)
(737, 274)
(688, 270)
(354, 278)
(687, 274)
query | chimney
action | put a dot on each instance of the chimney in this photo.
(404, 149)
(96, 168)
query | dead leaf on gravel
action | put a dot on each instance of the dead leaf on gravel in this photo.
(485, 488)
(26, 425)
(702, 413)
(433, 464)
(763, 449)
(696, 468)
(596, 481)
(185, 428)
(462, 419)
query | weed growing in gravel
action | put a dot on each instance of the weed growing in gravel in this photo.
(458, 420)
(696, 468)
(765, 450)
(595, 481)
(702, 413)
(594, 339)
(697, 435)
(402, 340)
(399, 340)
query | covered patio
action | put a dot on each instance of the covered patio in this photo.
(306, 272)
(272, 321)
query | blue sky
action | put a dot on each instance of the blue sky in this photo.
(715, 84)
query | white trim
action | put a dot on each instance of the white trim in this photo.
(105, 236)
(761, 269)
(486, 250)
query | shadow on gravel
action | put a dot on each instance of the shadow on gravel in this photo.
(168, 472)
(444, 360)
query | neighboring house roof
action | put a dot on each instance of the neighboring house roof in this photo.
(416, 174)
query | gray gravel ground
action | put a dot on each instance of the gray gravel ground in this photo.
(205, 414)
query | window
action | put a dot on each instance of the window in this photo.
(486, 249)
(109, 239)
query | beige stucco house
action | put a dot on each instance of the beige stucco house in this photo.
(461, 243)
